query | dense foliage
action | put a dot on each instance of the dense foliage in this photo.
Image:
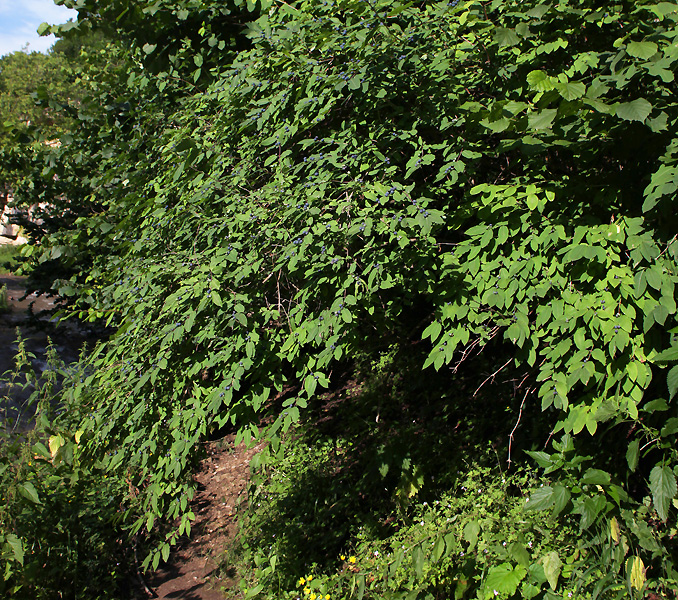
(261, 193)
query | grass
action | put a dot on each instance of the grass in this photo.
(8, 258)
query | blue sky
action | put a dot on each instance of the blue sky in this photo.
(19, 20)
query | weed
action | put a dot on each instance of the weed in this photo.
(9, 255)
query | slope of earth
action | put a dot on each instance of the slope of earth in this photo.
(190, 573)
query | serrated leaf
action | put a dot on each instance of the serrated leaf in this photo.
(539, 81)
(543, 119)
(561, 496)
(663, 488)
(28, 491)
(596, 477)
(571, 90)
(670, 428)
(504, 579)
(17, 547)
(543, 459)
(642, 50)
(506, 37)
(638, 110)
(590, 509)
(541, 499)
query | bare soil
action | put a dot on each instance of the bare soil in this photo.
(191, 573)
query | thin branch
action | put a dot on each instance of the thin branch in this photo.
(520, 414)
(492, 376)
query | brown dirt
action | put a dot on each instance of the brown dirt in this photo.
(191, 573)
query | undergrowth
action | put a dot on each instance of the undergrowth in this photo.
(409, 500)
(60, 522)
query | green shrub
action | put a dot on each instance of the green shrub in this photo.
(60, 522)
(467, 180)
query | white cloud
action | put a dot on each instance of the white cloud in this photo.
(19, 21)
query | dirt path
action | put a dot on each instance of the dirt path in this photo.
(190, 574)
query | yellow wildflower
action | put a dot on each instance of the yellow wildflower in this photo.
(312, 597)
(342, 557)
(307, 591)
(309, 578)
(352, 559)
(327, 597)
(301, 581)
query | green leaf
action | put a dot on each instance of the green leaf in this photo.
(571, 90)
(672, 381)
(663, 488)
(471, 531)
(643, 50)
(44, 29)
(28, 491)
(561, 496)
(543, 119)
(552, 567)
(418, 560)
(668, 355)
(506, 37)
(16, 546)
(590, 508)
(632, 454)
(638, 110)
(504, 579)
(670, 428)
(596, 477)
(539, 81)
(541, 499)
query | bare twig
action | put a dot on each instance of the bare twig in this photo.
(148, 590)
(520, 414)
(493, 375)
